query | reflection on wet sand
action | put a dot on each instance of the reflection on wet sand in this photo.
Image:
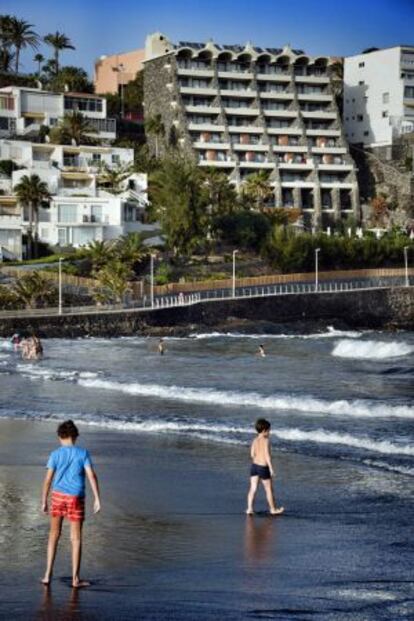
(260, 539)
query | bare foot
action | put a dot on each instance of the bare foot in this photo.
(278, 511)
(80, 584)
(249, 512)
(45, 581)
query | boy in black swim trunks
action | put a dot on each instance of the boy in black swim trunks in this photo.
(261, 469)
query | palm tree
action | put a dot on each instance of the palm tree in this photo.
(99, 253)
(31, 192)
(39, 59)
(75, 127)
(223, 198)
(257, 188)
(33, 290)
(112, 178)
(113, 282)
(155, 126)
(59, 42)
(22, 36)
(130, 249)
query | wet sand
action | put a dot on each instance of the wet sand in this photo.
(172, 541)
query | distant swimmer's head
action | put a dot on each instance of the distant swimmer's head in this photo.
(262, 426)
(68, 430)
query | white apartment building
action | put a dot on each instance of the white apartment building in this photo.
(24, 110)
(244, 109)
(81, 210)
(379, 96)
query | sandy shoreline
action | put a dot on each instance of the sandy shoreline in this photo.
(172, 541)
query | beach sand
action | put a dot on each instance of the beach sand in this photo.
(172, 541)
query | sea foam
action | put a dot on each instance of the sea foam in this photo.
(372, 350)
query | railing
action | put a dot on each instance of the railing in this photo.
(240, 293)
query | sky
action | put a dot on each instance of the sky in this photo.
(328, 27)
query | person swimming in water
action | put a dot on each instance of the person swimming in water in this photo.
(161, 347)
(16, 341)
(261, 351)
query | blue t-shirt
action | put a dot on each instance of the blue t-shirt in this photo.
(69, 463)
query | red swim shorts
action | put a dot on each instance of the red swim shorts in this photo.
(67, 506)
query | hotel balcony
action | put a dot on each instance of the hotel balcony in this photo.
(328, 150)
(231, 73)
(285, 95)
(324, 132)
(245, 129)
(288, 131)
(281, 114)
(256, 164)
(312, 79)
(295, 165)
(241, 111)
(319, 114)
(230, 92)
(202, 109)
(199, 144)
(342, 166)
(237, 146)
(207, 126)
(217, 163)
(195, 71)
(198, 90)
(274, 77)
(314, 97)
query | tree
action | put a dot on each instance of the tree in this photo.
(6, 54)
(74, 78)
(180, 202)
(58, 41)
(155, 126)
(130, 249)
(99, 254)
(39, 59)
(244, 229)
(31, 192)
(74, 127)
(113, 282)
(21, 36)
(34, 290)
(222, 195)
(379, 210)
(112, 179)
(257, 188)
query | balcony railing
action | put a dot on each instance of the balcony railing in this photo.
(107, 126)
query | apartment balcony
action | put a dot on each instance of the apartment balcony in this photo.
(334, 133)
(315, 97)
(341, 166)
(198, 90)
(77, 192)
(103, 126)
(274, 77)
(296, 165)
(202, 110)
(195, 72)
(241, 111)
(319, 115)
(242, 93)
(280, 114)
(282, 95)
(199, 144)
(295, 183)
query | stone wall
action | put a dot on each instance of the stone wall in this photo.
(377, 308)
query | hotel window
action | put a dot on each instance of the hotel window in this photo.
(96, 213)
(360, 117)
(409, 92)
(116, 158)
(366, 133)
(67, 213)
(361, 65)
(96, 158)
(361, 83)
(384, 114)
(62, 237)
(385, 98)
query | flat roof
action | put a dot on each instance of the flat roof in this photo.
(381, 49)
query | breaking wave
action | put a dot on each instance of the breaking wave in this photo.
(330, 333)
(357, 408)
(371, 350)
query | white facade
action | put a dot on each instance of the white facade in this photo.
(80, 211)
(24, 110)
(379, 96)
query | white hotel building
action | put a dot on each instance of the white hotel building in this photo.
(80, 211)
(245, 109)
(379, 96)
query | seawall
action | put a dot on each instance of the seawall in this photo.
(375, 308)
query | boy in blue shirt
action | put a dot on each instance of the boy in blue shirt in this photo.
(66, 468)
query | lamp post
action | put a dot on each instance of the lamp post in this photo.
(317, 251)
(152, 280)
(407, 282)
(60, 285)
(120, 69)
(234, 273)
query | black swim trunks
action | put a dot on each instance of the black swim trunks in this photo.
(262, 472)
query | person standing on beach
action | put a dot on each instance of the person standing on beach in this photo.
(66, 468)
(262, 468)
